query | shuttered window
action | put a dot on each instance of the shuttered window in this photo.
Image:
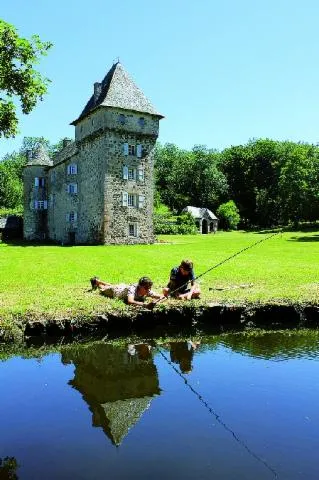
(141, 201)
(39, 181)
(72, 188)
(72, 169)
(125, 172)
(124, 199)
(40, 204)
(131, 200)
(140, 174)
(132, 150)
(139, 151)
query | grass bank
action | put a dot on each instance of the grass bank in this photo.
(44, 281)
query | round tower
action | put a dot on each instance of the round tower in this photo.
(35, 183)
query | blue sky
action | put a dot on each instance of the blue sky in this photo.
(221, 71)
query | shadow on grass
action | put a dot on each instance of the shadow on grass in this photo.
(312, 238)
(25, 243)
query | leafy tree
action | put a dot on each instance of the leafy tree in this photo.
(18, 78)
(298, 183)
(11, 188)
(189, 177)
(8, 468)
(228, 215)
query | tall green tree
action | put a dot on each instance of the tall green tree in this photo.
(18, 78)
(189, 177)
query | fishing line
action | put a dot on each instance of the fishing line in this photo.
(217, 417)
(219, 264)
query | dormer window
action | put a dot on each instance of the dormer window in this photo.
(141, 122)
(122, 119)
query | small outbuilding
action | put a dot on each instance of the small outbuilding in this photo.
(205, 219)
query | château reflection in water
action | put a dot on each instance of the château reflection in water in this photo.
(118, 384)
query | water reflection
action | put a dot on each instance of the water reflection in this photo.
(275, 345)
(117, 383)
(182, 353)
(8, 467)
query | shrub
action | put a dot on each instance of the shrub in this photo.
(168, 224)
(228, 215)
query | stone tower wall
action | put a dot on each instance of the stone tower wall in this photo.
(34, 220)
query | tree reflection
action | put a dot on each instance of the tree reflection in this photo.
(275, 345)
(8, 467)
(117, 383)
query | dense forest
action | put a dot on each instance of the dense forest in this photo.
(269, 182)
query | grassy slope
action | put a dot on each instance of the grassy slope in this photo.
(53, 280)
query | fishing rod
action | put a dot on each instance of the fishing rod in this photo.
(162, 299)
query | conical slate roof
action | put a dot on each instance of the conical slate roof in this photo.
(118, 90)
(40, 157)
(117, 418)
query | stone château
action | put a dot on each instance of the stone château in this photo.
(99, 188)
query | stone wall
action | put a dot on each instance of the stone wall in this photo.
(34, 221)
(99, 157)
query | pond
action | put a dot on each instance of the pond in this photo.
(225, 407)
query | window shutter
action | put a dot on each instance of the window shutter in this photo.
(36, 181)
(125, 172)
(125, 148)
(141, 174)
(69, 169)
(75, 188)
(36, 204)
(124, 199)
(75, 169)
(75, 216)
(136, 230)
(67, 217)
(139, 149)
(141, 199)
(45, 205)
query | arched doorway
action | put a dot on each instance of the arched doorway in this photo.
(204, 226)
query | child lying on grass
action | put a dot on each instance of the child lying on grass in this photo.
(134, 294)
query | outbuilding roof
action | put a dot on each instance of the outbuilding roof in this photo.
(118, 90)
(198, 212)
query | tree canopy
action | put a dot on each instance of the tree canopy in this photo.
(18, 78)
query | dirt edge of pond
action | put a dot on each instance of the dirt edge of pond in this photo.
(210, 317)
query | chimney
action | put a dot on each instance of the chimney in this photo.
(65, 142)
(97, 91)
(29, 155)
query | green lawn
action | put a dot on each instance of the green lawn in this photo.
(54, 280)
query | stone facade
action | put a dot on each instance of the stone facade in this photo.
(98, 188)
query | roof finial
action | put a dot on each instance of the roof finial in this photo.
(116, 60)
